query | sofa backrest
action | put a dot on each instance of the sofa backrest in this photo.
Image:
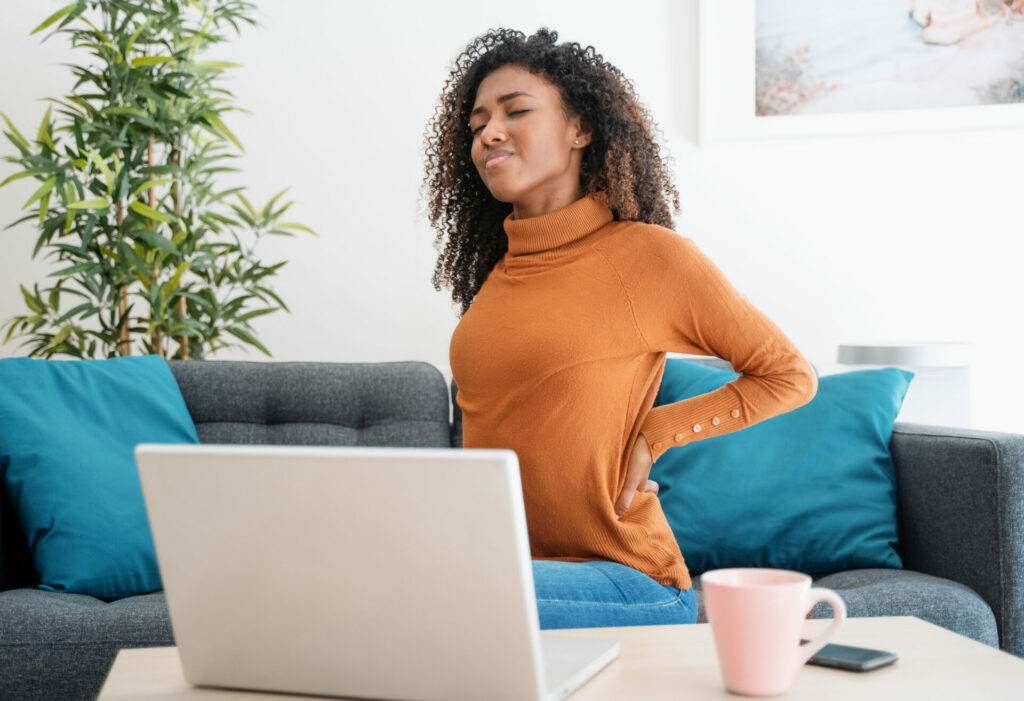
(401, 403)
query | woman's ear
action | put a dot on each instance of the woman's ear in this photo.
(583, 132)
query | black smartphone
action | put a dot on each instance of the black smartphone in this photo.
(856, 659)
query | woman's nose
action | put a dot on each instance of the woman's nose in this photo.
(493, 133)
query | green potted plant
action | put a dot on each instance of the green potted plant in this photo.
(151, 257)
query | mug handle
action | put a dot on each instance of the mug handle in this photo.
(812, 646)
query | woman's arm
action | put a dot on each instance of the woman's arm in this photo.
(683, 303)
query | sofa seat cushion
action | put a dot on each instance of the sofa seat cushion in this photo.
(43, 631)
(36, 617)
(889, 592)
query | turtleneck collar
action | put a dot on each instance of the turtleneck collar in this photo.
(570, 224)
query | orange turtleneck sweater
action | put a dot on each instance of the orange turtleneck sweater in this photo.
(560, 358)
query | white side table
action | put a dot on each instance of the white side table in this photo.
(939, 393)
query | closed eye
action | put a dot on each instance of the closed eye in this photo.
(477, 130)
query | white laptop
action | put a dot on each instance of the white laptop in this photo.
(382, 573)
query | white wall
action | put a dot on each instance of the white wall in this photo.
(886, 239)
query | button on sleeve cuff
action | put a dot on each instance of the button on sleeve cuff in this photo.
(696, 418)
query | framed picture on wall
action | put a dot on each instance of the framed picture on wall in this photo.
(777, 68)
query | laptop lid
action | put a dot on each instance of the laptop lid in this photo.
(399, 573)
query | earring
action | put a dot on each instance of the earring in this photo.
(577, 141)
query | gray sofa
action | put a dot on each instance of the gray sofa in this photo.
(961, 515)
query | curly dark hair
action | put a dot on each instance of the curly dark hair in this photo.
(623, 161)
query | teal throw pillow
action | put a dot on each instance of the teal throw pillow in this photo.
(68, 429)
(812, 490)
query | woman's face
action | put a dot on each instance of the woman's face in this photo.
(523, 148)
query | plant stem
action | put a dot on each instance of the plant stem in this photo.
(182, 307)
(125, 346)
(156, 339)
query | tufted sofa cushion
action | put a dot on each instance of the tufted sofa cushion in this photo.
(401, 403)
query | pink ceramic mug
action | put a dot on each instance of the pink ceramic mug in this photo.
(756, 616)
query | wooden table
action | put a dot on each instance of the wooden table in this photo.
(679, 662)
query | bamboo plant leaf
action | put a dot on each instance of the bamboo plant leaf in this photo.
(79, 268)
(267, 208)
(153, 183)
(54, 17)
(17, 137)
(255, 313)
(85, 308)
(24, 174)
(160, 170)
(61, 336)
(33, 303)
(76, 110)
(273, 295)
(94, 156)
(293, 225)
(140, 61)
(89, 204)
(157, 241)
(69, 198)
(245, 216)
(44, 207)
(19, 221)
(247, 336)
(149, 212)
(215, 121)
(248, 206)
(218, 64)
(136, 33)
(41, 192)
(44, 129)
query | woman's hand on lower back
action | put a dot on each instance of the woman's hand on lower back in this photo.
(637, 471)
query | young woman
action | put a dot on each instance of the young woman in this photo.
(545, 178)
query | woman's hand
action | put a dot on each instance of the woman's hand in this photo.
(637, 471)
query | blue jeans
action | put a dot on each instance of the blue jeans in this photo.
(599, 593)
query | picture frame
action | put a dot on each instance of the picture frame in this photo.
(726, 113)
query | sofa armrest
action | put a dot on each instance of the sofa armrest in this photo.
(961, 514)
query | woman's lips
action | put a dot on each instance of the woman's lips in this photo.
(497, 158)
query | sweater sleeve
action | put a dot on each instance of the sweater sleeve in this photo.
(683, 303)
